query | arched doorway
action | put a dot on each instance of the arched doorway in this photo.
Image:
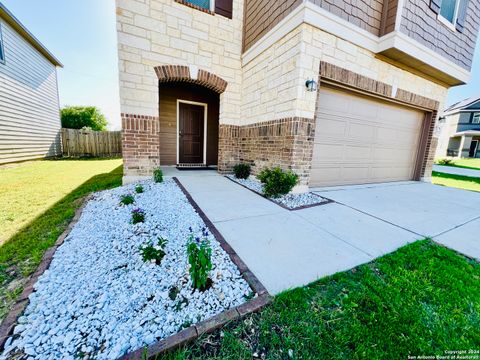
(189, 116)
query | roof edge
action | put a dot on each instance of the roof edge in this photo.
(6, 15)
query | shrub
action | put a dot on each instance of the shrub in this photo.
(277, 182)
(445, 162)
(158, 175)
(154, 253)
(139, 189)
(242, 171)
(138, 215)
(127, 199)
(79, 117)
(200, 259)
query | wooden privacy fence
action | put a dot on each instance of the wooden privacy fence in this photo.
(77, 143)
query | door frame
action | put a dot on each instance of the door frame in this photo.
(476, 149)
(205, 118)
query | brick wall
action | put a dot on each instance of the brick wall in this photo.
(140, 144)
(228, 151)
(287, 143)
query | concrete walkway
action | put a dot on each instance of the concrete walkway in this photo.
(456, 170)
(287, 249)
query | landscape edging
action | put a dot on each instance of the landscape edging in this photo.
(328, 201)
(9, 322)
(193, 332)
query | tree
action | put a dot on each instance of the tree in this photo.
(77, 117)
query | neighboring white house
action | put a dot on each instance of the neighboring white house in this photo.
(460, 130)
(29, 106)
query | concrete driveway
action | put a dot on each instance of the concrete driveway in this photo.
(287, 249)
(447, 215)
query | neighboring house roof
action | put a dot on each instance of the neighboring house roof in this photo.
(467, 132)
(465, 104)
(7, 16)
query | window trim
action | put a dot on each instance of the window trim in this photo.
(445, 21)
(2, 46)
(476, 115)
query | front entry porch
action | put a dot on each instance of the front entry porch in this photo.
(465, 144)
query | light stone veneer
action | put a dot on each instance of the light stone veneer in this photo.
(270, 87)
(164, 32)
(274, 82)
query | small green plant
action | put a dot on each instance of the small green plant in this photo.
(200, 259)
(242, 171)
(138, 216)
(139, 189)
(127, 199)
(445, 162)
(277, 182)
(158, 175)
(154, 253)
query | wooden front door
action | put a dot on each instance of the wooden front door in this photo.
(191, 125)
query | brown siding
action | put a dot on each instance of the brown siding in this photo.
(263, 15)
(169, 93)
(420, 23)
(389, 16)
(366, 14)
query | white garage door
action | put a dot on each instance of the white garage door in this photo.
(360, 140)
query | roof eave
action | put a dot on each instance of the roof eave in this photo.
(6, 15)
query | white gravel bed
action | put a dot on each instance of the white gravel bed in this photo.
(100, 300)
(291, 201)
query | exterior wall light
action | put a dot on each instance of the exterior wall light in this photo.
(311, 85)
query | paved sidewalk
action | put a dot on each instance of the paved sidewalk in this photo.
(286, 249)
(456, 170)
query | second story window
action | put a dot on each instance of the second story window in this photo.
(219, 7)
(204, 4)
(449, 10)
(2, 51)
(476, 118)
(452, 13)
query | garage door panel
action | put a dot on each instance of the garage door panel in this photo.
(374, 141)
(328, 152)
(365, 132)
(334, 128)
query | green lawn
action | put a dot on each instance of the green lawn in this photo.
(420, 300)
(456, 181)
(38, 201)
(466, 163)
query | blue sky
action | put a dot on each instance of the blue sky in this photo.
(81, 34)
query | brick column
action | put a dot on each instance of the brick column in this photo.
(140, 144)
(228, 147)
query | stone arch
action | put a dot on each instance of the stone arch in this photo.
(181, 73)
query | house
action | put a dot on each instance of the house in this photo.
(341, 92)
(29, 105)
(460, 130)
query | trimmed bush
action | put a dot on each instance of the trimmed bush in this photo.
(445, 162)
(277, 182)
(242, 171)
(158, 175)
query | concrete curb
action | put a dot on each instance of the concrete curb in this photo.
(327, 201)
(8, 324)
(206, 326)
